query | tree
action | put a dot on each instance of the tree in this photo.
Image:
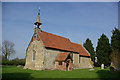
(0, 53)
(89, 47)
(103, 50)
(7, 49)
(115, 45)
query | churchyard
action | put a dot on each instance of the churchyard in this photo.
(19, 72)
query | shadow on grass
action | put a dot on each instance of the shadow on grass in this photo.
(14, 76)
(108, 74)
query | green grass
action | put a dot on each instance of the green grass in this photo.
(19, 72)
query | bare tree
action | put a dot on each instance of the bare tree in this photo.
(7, 49)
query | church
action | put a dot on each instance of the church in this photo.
(47, 51)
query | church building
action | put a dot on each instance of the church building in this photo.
(47, 51)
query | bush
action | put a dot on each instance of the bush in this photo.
(14, 62)
(4, 62)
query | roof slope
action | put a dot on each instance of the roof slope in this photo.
(61, 43)
(80, 49)
(62, 56)
(55, 41)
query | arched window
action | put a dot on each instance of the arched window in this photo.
(34, 53)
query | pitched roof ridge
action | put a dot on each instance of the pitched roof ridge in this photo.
(76, 43)
(55, 35)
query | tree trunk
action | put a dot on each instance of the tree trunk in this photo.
(6, 56)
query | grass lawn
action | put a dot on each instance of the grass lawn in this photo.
(19, 72)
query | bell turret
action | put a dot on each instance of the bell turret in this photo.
(38, 23)
(38, 20)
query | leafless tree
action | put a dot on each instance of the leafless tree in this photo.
(7, 49)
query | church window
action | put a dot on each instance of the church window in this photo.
(60, 63)
(35, 35)
(79, 59)
(34, 53)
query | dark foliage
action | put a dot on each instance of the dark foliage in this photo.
(103, 50)
(115, 40)
(115, 45)
(15, 61)
(89, 47)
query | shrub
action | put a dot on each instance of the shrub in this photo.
(14, 62)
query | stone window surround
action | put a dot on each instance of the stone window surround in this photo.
(60, 62)
(33, 55)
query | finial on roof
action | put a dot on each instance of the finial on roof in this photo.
(38, 20)
(39, 11)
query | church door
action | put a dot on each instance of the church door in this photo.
(67, 65)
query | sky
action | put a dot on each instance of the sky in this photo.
(74, 20)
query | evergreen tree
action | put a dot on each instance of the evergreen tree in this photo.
(89, 47)
(103, 50)
(115, 40)
(115, 45)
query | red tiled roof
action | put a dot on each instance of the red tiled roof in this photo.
(58, 42)
(55, 41)
(62, 56)
(79, 48)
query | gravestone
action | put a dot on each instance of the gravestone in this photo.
(91, 69)
(19, 66)
(102, 66)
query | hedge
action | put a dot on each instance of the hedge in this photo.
(13, 62)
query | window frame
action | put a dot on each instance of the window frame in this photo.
(34, 55)
(60, 63)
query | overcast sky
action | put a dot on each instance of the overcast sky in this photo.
(76, 21)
